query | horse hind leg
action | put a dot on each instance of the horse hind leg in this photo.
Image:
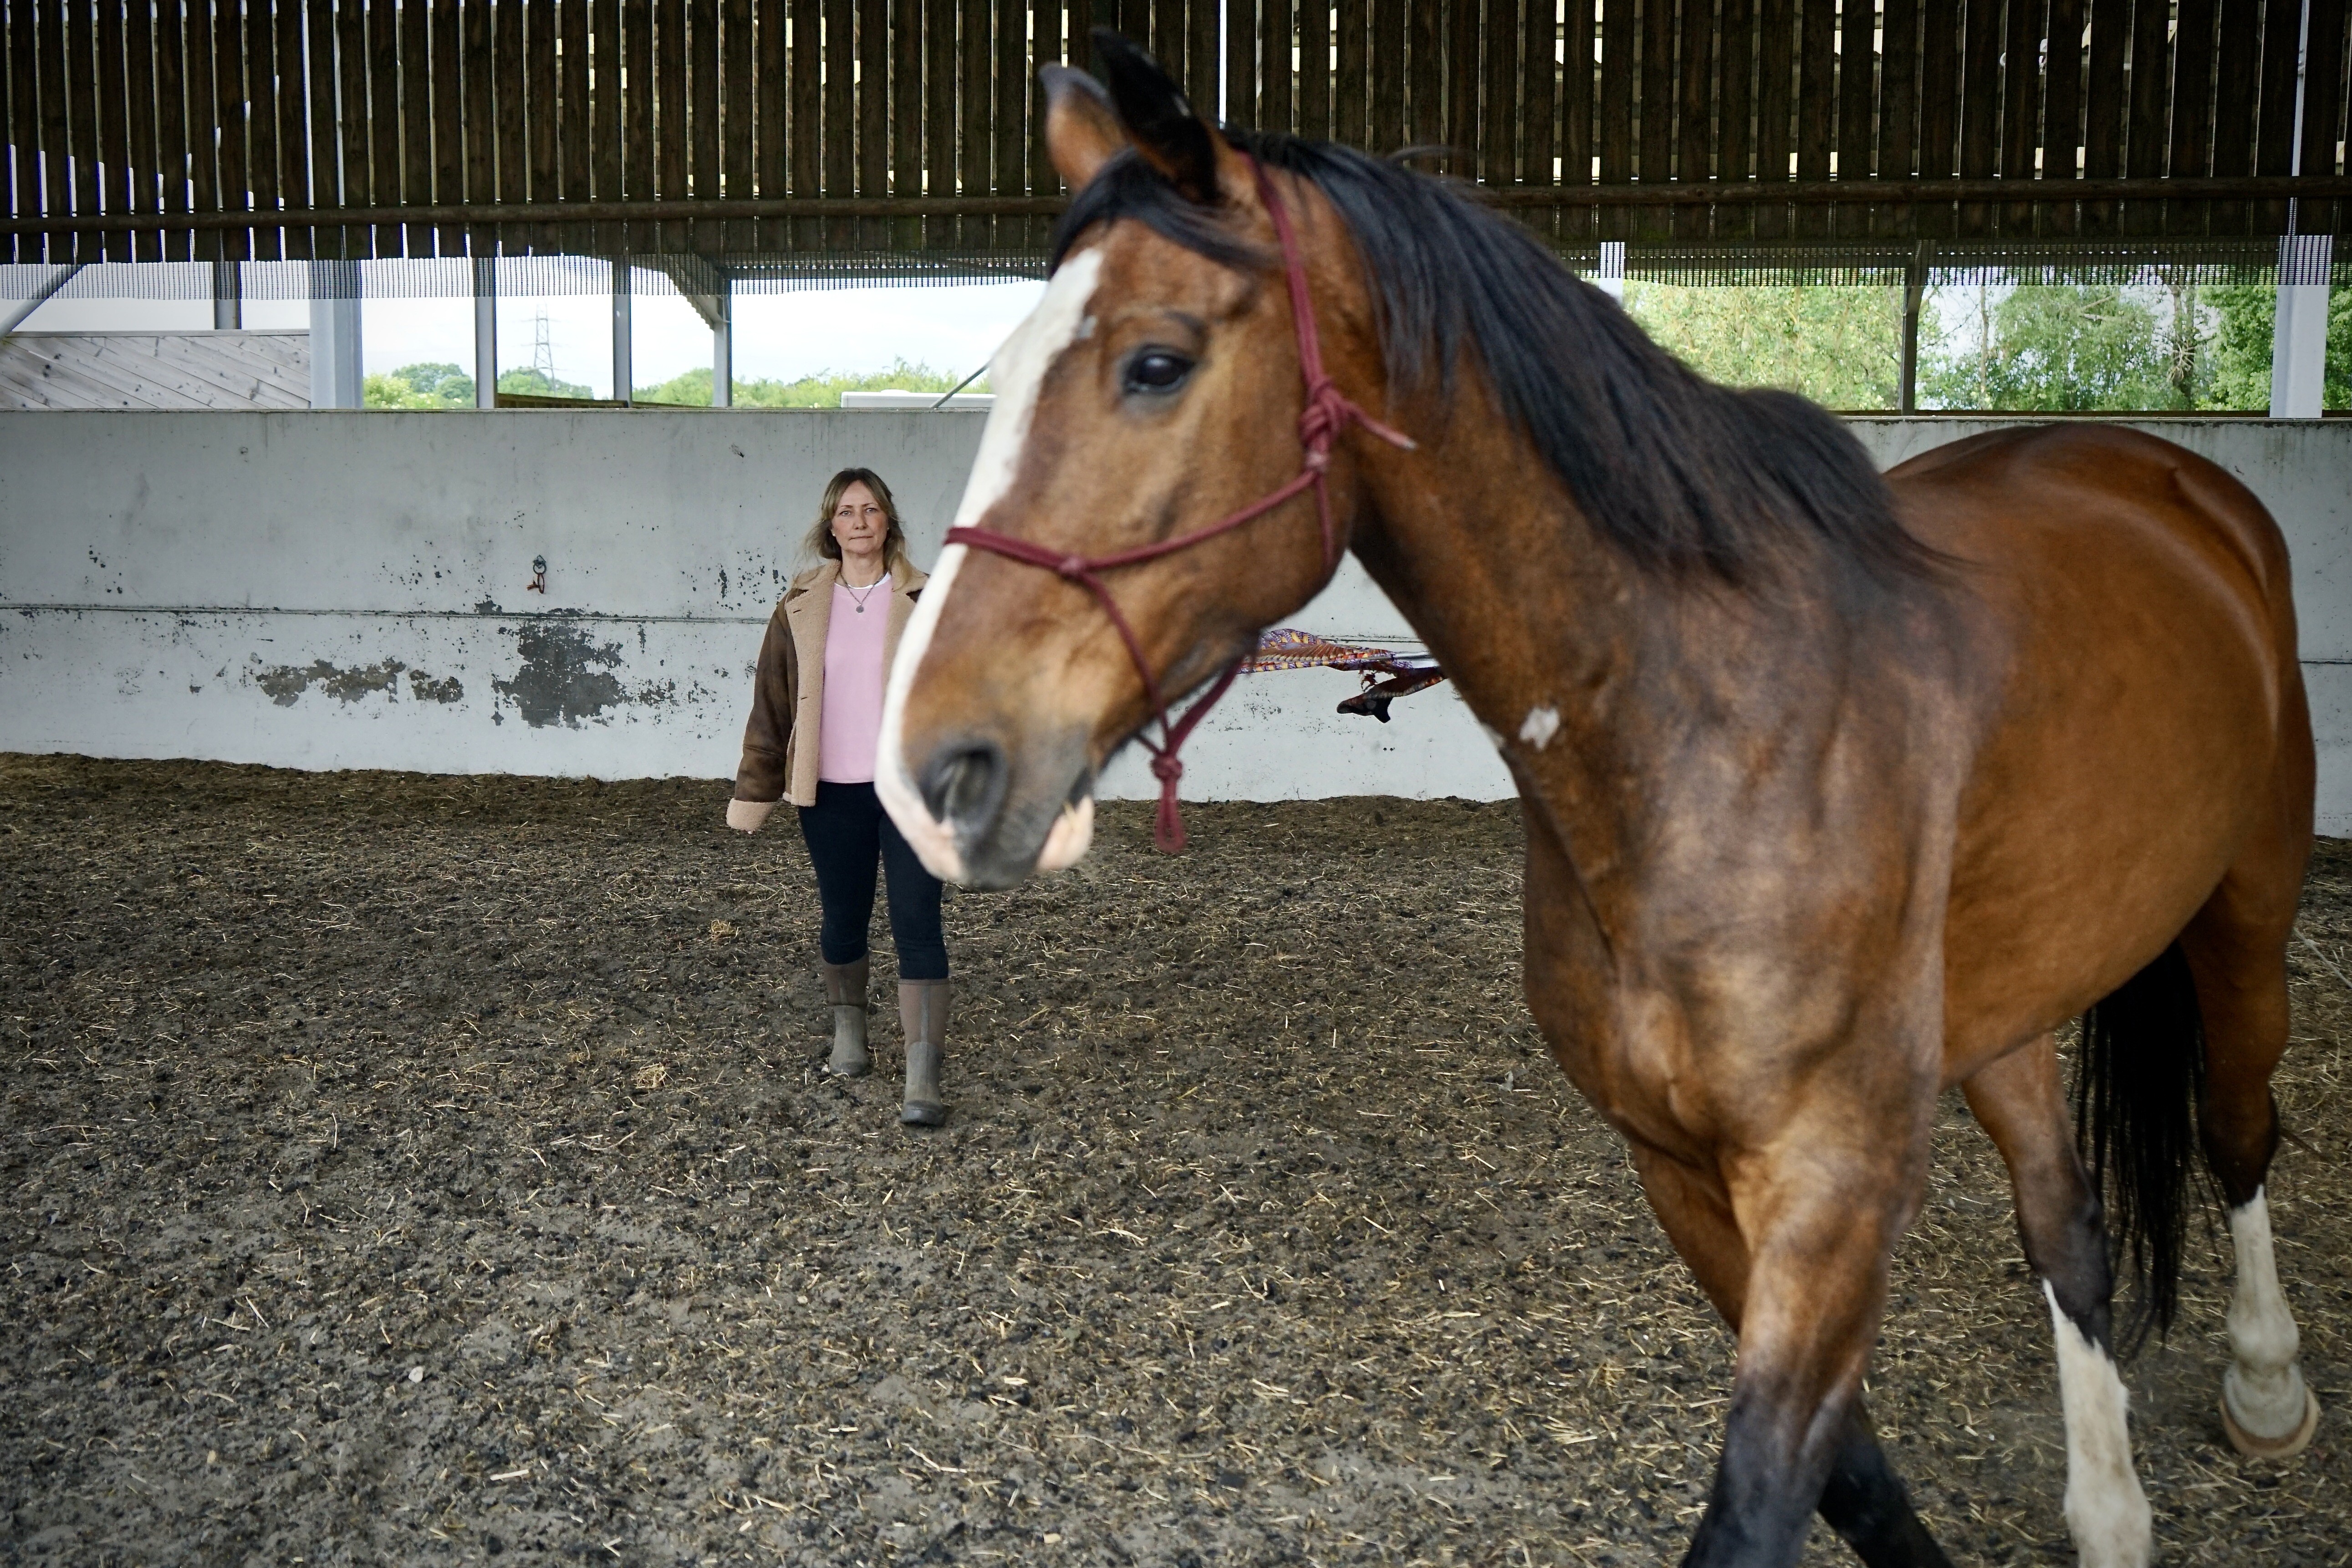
(2236, 949)
(2019, 1100)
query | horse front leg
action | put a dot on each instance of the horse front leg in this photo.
(1861, 1498)
(1818, 1208)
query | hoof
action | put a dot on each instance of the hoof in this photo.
(923, 1113)
(849, 1067)
(2285, 1447)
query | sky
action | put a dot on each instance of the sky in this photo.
(950, 328)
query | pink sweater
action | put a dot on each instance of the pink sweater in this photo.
(851, 724)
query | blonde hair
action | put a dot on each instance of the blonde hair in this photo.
(821, 542)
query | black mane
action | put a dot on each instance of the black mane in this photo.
(1678, 472)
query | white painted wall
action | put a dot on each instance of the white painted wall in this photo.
(331, 590)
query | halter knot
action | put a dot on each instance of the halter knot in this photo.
(1071, 566)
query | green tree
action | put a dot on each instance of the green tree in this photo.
(824, 390)
(528, 380)
(2247, 314)
(2062, 348)
(1841, 347)
(425, 385)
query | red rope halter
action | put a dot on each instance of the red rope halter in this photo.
(1327, 412)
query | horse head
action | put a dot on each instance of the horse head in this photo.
(1156, 389)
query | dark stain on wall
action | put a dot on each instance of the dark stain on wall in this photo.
(565, 677)
(425, 689)
(287, 682)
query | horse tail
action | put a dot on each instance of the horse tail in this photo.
(2136, 1096)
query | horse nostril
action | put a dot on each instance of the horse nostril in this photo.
(966, 785)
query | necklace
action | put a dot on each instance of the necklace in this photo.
(861, 597)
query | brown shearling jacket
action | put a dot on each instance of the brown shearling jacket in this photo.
(788, 691)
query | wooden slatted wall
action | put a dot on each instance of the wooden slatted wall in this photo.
(152, 108)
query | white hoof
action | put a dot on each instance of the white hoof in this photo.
(2273, 1448)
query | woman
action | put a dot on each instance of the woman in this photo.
(816, 714)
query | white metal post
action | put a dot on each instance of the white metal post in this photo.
(485, 333)
(335, 376)
(623, 336)
(723, 347)
(2299, 339)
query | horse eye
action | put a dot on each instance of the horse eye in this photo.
(1157, 369)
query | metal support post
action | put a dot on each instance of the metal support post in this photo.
(485, 333)
(336, 381)
(2299, 336)
(624, 372)
(1915, 289)
(723, 347)
(228, 298)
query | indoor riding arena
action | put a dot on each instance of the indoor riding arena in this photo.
(417, 1143)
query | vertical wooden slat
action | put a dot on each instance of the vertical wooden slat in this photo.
(348, 129)
(2020, 106)
(939, 113)
(1462, 87)
(382, 19)
(774, 77)
(1319, 74)
(1776, 66)
(1693, 110)
(2238, 74)
(1011, 91)
(607, 52)
(109, 102)
(293, 132)
(1616, 68)
(328, 176)
(575, 138)
(906, 115)
(873, 113)
(1241, 63)
(1981, 39)
(504, 158)
(1735, 154)
(261, 120)
(483, 129)
(1816, 102)
(1857, 108)
(2323, 108)
(171, 119)
(1940, 111)
(1539, 98)
(1158, 29)
(1498, 141)
(416, 40)
(2191, 152)
(53, 43)
(974, 82)
(445, 86)
(702, 116)
(1899, 107)
(139, 82)
(1273, 45)
(806, 162)
(542, 103)
(204, 187)
(2151, 81)
(1427, 67)
(1200, 78)
(78, 62)
(1352, 114)
(2062, 107)
(2106, 107)
(737, 117)
(23, 131)
(1656, 112)
(1390, 48)
(673, 127)
(1576, 110)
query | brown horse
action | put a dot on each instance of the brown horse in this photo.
(1839, 790)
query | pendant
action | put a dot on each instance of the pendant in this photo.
(861, 609)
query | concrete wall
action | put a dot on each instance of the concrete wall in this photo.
(350, 590)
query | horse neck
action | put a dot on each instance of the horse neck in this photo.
(1590, 671)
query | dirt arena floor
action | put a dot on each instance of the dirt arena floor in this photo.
(402, 1169)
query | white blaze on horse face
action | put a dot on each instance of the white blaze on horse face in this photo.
(1541, 725)
(1016, 373)
(2263, 1391)
(2105, 1510)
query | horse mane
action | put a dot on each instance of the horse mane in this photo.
(1681, 474)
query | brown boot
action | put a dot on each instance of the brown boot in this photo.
(844, 993)
(923, 1011)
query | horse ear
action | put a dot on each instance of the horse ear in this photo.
(1170, 136)
(1082, 131)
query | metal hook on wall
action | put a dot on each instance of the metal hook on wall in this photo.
(537, 584)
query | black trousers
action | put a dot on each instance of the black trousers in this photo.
(848, 831)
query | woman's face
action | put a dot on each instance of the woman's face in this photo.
(859, 523)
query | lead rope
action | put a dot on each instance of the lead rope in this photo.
(1328, 411)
